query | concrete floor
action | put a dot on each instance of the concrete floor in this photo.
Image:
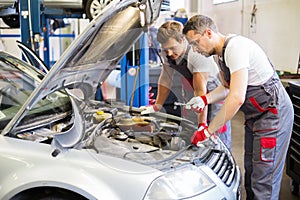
(238, 152)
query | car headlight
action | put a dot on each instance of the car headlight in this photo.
(181, 183)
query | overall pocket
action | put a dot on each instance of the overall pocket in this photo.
(267, 149)
(263, 108)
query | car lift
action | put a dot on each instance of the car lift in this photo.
(30, 23)
(35, 22)
(135, 74)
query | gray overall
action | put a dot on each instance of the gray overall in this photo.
(224, 132)
(188, 92)
(269, 117)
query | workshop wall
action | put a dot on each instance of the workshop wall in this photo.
(277, 27)
(8, 43)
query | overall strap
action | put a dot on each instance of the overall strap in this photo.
(181, 67)
(224, 70)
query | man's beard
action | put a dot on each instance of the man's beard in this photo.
(212, 52)
(208, 54)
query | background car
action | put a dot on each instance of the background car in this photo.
(58, 142)
(9, 9)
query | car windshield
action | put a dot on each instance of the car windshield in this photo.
(17, 82)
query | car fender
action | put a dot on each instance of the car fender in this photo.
(93, 175)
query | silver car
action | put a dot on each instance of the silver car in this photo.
(57, 142)
(9, 9)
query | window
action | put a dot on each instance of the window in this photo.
(222, 1)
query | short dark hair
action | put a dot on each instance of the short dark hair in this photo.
(170, 29)
(199, 23)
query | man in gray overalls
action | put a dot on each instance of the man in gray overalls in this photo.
(198, 75)
(251, 84)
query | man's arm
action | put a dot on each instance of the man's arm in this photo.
(218, 94)
(164, 85)
(200, 89)
(233, 101)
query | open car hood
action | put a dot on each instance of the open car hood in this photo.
(96, 52)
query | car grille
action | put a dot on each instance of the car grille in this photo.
(221, 164)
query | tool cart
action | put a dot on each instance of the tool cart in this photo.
(293, 155)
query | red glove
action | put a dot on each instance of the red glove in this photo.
(202, 124)
(200, 135)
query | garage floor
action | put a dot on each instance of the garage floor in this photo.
(238, 152)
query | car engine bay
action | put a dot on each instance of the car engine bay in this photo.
(158, 140)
